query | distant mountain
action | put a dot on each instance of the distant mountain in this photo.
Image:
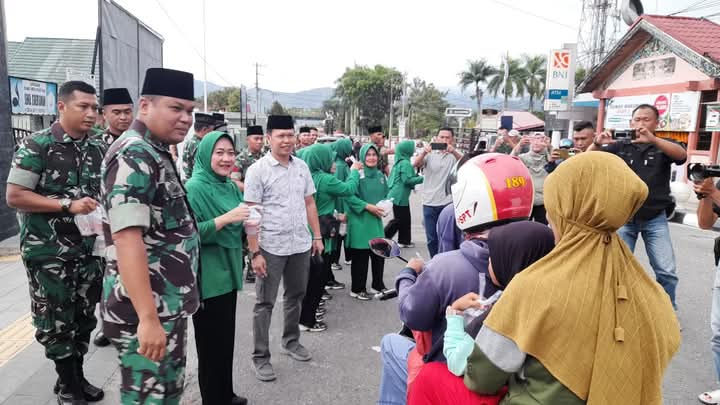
(210, 88)
(314, 98)
(456, 98)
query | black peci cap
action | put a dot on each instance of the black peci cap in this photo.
(168, 83)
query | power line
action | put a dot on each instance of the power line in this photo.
(199, 54)
(535, 15)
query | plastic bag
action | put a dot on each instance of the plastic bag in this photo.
(252, 224)
(92, 223)
(487, 303)
(386, 206)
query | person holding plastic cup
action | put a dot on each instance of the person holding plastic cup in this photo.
(220, 213)
(364, 219)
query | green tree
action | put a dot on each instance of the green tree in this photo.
(372, 91)
(536, 72)
(580, 74)
(478, 72)
(227, 99)
(277, 109)
(427, 108)
(515, 84)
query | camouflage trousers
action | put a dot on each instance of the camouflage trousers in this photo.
(143, 380)
(63, 296)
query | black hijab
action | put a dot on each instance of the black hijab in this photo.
(513, 248)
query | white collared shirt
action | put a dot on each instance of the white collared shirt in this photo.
(281, 190)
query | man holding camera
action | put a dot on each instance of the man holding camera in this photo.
(708, 211)
(437, 161)
(650, 158)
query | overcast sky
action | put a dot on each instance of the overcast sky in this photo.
(308, 44)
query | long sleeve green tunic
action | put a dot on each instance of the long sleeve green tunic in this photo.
(362, 225)
(403, 177)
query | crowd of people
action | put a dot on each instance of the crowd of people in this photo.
(577, 319)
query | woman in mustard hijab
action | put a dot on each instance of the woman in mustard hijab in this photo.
(585, 324)
(216, 202)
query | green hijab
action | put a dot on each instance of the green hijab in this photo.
(373, 187)
(212, 195)
(370, 172)
(404, 151)
(319, 158)
(343, 148)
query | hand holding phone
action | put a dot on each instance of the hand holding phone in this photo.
(438, 146)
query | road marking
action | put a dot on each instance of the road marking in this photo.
(11, 258)
(15, 338)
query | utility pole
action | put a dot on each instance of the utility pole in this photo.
(391, 115)
(257, 90)
(204, 62)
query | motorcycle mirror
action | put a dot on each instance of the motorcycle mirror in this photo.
(385, 248)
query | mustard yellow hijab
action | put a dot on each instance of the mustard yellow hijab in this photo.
(588, 311)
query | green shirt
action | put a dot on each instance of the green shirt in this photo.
(402, 181)
(362, 225)
(222, 268)
(141, 188)
(54, 165)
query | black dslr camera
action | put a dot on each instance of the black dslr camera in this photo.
(625, 136)
(698, 172)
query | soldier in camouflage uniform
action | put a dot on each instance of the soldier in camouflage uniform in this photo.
(118, 111)
(204, 123)
(150, 286)
(254, 150)
(55, 175)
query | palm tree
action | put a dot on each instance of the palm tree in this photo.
(479, 71)
(535, 69)
(515, 84)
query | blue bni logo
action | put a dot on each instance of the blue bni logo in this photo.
(557, 94)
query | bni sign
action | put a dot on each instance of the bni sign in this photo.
(558, 80)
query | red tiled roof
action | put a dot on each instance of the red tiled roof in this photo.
(698, 34)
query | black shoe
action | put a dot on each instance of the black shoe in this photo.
(334, 285)
(322, 303)
(100, 340)
(90, 392)
(320, 311)
(68, 388)
(67, 398)
(238, 400)
(318, 327)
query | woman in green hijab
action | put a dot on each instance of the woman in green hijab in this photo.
(343, 149)
(219, 211)
(365, 223)
(320, 160)
(402, 180)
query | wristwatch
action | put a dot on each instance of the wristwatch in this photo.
(254, 254)
(65, 204)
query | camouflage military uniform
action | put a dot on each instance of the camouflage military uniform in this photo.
(189, 151)
(106, 138)
(245, 159)
(141, 188)
(63, 276)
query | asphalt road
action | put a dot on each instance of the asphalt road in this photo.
(346, 365)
